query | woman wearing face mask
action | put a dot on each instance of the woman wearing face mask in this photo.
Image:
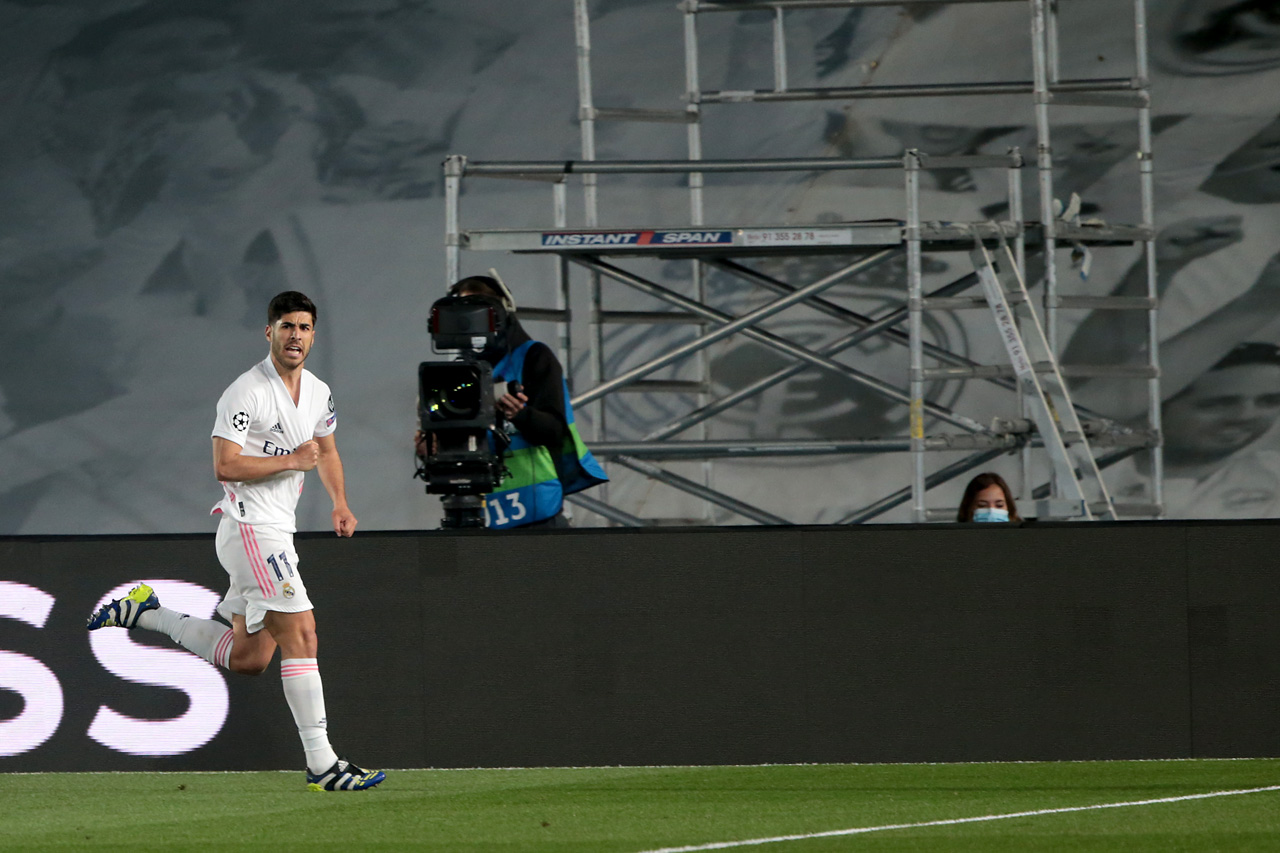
(987, 498)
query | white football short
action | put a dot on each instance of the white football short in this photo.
(263, 568)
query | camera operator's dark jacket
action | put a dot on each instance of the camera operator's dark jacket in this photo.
(547, 458)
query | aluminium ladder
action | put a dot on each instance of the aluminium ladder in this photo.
(1044, 389)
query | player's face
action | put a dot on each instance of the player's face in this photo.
(1222, 412)
(291, 337)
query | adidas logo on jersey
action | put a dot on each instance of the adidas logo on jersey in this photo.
(277, 427)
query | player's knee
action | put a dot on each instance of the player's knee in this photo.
(301, 643)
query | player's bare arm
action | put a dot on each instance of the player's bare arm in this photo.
(330, 468)
(231, 465)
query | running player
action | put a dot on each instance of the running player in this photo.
(274, 423)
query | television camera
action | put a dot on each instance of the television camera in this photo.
(463, 436)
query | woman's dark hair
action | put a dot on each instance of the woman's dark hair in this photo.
(977, 484)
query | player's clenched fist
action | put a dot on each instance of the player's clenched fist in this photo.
(344, 523)
(306, 456)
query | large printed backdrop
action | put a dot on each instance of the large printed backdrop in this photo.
(168, 166)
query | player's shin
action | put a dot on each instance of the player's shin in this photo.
(305, 694)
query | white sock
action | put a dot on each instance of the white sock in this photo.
(207, 638)
(305, 695)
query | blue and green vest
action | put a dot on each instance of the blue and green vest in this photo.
(535, 490)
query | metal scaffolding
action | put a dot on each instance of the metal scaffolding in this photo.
(1050, 427)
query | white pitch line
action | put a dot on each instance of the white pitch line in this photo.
(752, 842)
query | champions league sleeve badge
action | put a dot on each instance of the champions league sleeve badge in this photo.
(240, 421)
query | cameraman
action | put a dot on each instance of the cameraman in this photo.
(547, 458)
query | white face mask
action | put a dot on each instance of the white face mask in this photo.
(987, 513)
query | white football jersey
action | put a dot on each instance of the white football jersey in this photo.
(258, 413)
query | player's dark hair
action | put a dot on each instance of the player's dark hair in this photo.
(289, 302)
(977, 484)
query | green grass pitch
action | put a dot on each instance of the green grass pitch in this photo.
(648, 808)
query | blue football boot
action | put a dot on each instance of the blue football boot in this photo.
(344, 776)
(124, 612)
